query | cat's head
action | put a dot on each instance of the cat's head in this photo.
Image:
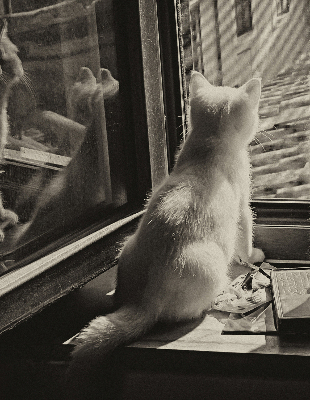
(10, 65)
(229, 115)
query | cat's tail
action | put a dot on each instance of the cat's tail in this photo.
(90, 370)
(105, 333)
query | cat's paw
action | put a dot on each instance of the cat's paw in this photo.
(256, 256)
(9, 218)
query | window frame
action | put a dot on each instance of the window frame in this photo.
(40, 282)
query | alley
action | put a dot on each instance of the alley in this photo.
(280, 154)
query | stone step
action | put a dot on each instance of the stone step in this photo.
(295, 162)
(275, 156)
(280, 153)
(281, 179)
(272, 134)
(285, 141)
(295, 192)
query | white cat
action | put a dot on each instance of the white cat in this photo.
(195, 223)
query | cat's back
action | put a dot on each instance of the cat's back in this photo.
(200, 200)
(189, 206)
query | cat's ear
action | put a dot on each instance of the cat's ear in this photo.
(253, 89)
(197, 82)
(85, 75)
(4, 28)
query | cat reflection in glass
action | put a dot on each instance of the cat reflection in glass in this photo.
(11, 71)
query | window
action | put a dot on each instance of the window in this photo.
(243, 16)
(78, 168)
(283, 6)
(78, 149)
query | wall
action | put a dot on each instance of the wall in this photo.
(209, 42)
(274, 41)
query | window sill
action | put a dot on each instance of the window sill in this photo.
(16, 278)
(185, 351)
(27, 291)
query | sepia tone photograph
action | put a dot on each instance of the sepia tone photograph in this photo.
(154, 199)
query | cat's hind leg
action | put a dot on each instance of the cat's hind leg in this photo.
(198, 274)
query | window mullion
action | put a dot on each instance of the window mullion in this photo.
(153, 90)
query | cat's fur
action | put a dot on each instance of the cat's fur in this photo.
(11, 71)
(195, 223)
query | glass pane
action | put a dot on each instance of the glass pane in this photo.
(277, 50)
(67, 150)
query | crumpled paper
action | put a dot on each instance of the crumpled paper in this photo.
(246, 293)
